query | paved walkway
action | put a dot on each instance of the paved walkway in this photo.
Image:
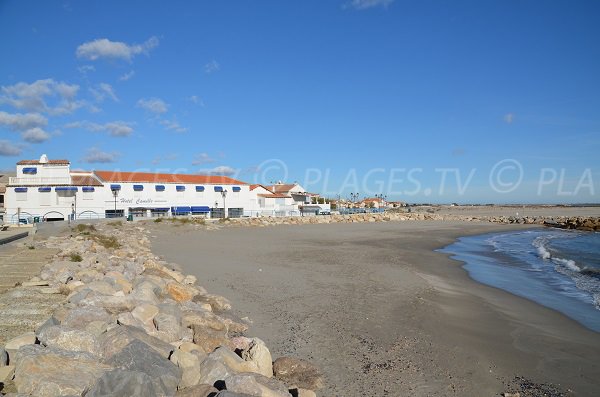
(22, 309)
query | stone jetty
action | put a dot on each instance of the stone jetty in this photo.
(134, 325)
(580, 223)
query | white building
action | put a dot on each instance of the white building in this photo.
(49, 190)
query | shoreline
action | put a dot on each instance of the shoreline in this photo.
(371, 344)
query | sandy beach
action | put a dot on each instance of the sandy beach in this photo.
(381, 312)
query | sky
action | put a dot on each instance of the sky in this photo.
(421, 101)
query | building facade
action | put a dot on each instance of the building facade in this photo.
(48, 190)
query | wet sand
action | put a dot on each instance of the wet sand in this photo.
(380, 312)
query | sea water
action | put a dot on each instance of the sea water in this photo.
(556, 268)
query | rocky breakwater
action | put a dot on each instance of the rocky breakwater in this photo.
(580, 223)
(134, 325)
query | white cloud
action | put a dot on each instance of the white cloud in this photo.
(85, 69)
(35, 135)
(220, 170)
(95, 155)
(22, 122)
(103, 91)
(9, 149)
(196, 100)
(32, 97)
(114, 128)
(118, 128)
(202, 158)
(127, 76)
(365, 4)
(509, 118)
(212, 66)
(173, 126)
(154, 105)
(104, 48)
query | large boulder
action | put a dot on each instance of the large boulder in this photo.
(140, 357)
(70, 340)
(258, 354)
(298, 373)
(114, 340)
(80, 317)
(197, 391)
(3, 357)
(256, 385)
(212, 370)
(17, 342)
(47, 372)
(124, 383)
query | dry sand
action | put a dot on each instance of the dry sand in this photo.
(380, 312)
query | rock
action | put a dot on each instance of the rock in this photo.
(81, 317)
(211, 371)
(260, 356)
(123, 383)
(190, 347)
(297, 372)
(51, 373)
(168, 325)
(218, 303)
(233, 361)
(145, 313)
(112, 304)
(190, 365)
(117, 338)
(6, 373)
(209, 339)
(138, 356)
(516, 394)
(189, 280)
(181, 292)
(256, 385)
(16, 343)
(3, 357)
(197, 391)
(70, 340)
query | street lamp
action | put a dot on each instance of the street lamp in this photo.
(115, 193)
(224, 194)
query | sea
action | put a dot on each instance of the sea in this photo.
(557, 268)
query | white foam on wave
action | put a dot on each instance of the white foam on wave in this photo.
(568, 263)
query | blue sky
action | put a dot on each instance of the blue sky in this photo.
(428, 101)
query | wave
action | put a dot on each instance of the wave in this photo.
(546, 254)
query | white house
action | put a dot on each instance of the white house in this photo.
(49, 190)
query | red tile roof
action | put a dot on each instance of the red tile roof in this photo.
(84, 180)
(37, 162)
(274, 195)
(148, 177)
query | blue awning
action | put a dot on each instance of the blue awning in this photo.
(180, 188)
(200, 209)
(236, 189)
(159, 209)
(20, 189)
(88, 189)
(160, 188)
(180, 210)
(138, 188)
(44, 189)
(115, 187)
(65, 189)
(218, 188)
(199, 188)
(30, 170)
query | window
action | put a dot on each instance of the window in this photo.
(45, 197)
(87, 193)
